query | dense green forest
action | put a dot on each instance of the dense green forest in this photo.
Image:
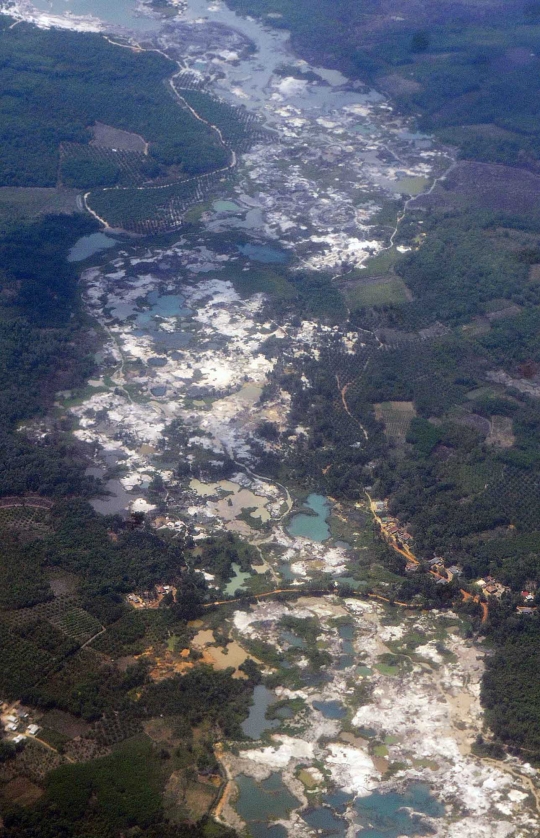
(55, 85)
(43, 348)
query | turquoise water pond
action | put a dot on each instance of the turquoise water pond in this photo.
(264, 253)
(120, 13)
(312, 526)
(88, 245)
(256, 723)
(226, 206)
(163, 305)
(238, 580)
(346, 659)
(389, 815)
(292, 639)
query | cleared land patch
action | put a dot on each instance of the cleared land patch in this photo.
(486, 186)
(110, 137)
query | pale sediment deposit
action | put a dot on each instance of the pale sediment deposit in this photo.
(410, 712)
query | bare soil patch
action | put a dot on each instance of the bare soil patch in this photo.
(62, 583)
(486, 186)
(394, 85)
(501, 434)
(109, 137)
(21, 792)
(65, 723)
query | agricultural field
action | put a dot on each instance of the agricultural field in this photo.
(151, 209)
(62, 612)
(28, 521)
(86, 166)
(396, 417)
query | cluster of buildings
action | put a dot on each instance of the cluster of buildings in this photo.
(390, 526)
(152, 598)
(491, 588)
(17, 723)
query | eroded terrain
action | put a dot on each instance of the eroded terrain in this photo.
(396, 708)
(379, 708)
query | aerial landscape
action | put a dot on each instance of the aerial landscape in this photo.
(269, 418)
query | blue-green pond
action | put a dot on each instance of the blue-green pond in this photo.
(226, 206)
(314, 526)
(324, 820)
(238, 580)
(264, 253)
(392, 815)
(120, 13)
(88, 245)
(346, 659)
(163, 305)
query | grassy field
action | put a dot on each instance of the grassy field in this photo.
(17, 203)
(412, 185)
(381, 292)
(379, 265)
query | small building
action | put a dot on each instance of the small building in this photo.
(455, 570)
(11, 726)
(19, 738)
(527, 611)
(32, 729)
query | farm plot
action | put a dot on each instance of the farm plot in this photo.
(87, 166)
(152, 209)
(76, 623)
(25, 519)
(64, 614)
(501, 434)
(378, 292)
(21, 663)
(238, 127)
(396, 417)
